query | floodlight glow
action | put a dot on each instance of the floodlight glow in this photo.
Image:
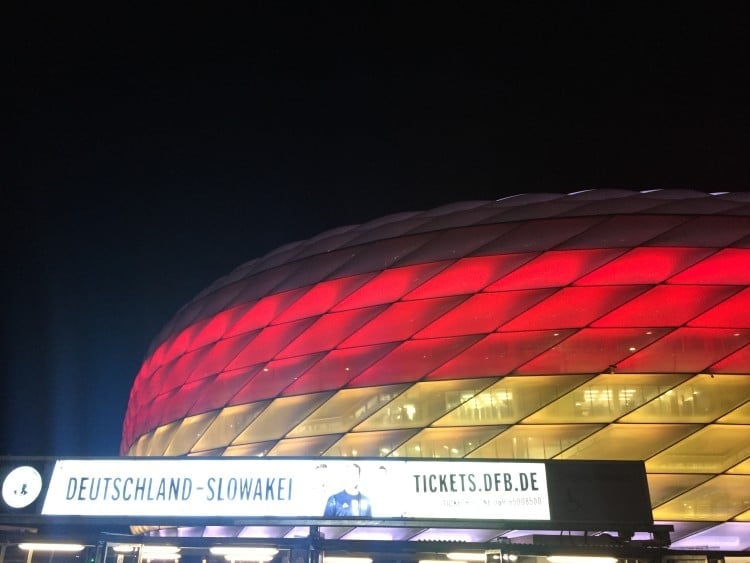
(580, 559)
(70, 547)
(125, 547)
(154, 552)
(336, 559)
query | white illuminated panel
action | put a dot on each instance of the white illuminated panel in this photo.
(299, 488)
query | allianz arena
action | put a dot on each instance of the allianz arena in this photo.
(599, 325)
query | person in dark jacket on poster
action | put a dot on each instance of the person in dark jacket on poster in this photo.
(349, 502)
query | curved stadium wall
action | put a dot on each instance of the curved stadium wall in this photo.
(605, 324)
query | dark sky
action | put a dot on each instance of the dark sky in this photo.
(150, 151)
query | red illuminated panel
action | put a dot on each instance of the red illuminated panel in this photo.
(337, 368)
(400, 321)
(218, 356)
(728, 266)
(554, 269)
(412, 360)
(177, 372)
(183, 400)
(380, 255)
(269, 381)
(314, 269)
(212, 329)
(390, 285)
(468, 275)
(454, 243)
(498, 354)
(734, 312)
(644, 266)
(329, 330)
(222, 387)
(483, 313)
(152, 415)
(262, 312)
(268, 343)
(321, 298)
(177, 346)
(739, 362)
(685, 350)
(591, 350)
(572, 307)
(666, 305)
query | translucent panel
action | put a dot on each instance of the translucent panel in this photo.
(739, 415)
(728, 266)
(329, 330)
(744, 517)
(499, 354)
(483, 313)
(644, 265)
(665, 486)
(710, 450)
(624, 231)
(540, 235)
(313, 446)
(686, 350)
(228, 424)
(666, 305)
(423, 403)
(263, 312)
(313, 269)
(345, 409)
(702, 398)
(247, 450)
(742, 468)
(721, 498)
(370, 444)
(732, 313)
(269, 342)
(605, 398)
(510, 399)
(534, 441)
(390, 285)
(274, 377)
(737, 362)
(279, 417)
(453, 244)
(394, 226)
(412, 360)
(468, 275)
(217, 356)
(213, 328)
(731, 536)
(337, 368)
(401, 320)
(321, 297)
(188, 433)
(555, 269)
(592, 350)
(223, 387)
(716, 231)
(381, 255)
(446, 442)
(628, 441)
(142, 446)
(161, 438)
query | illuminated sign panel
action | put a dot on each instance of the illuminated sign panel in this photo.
(299, 488)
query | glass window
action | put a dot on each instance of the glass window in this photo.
(721, 498)
(534, 441)
(713, 449)
(446, 442)
(370, 444)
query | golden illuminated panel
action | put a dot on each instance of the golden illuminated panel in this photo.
(247, 450)
(740, 415)
(703, 398)
(423, 403)
(143, 445)
(370, 444)
(161, 438)
(534, 441)
(446, 442)
(605, 398)
(628, 441)
(665, 486)
(345, 409)
(744, 517)
(229, 422)
(742, 468)
(188, 433)
(282, 414)
(307, 446)
(510, 399)
(713, 449)
(720, 498)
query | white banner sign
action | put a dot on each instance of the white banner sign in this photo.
(356, 489)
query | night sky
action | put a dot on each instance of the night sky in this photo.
(150, 151)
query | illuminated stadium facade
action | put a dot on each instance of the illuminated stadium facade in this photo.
(600, 325)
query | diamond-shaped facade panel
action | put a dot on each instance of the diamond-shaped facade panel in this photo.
(601, 324)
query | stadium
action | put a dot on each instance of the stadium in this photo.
(598, 325)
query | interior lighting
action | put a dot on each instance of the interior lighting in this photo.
(32, 546)
(245, 553)
(338, 559)
(580, 559)
(125, 547)
(154, 552)
(465, 556)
